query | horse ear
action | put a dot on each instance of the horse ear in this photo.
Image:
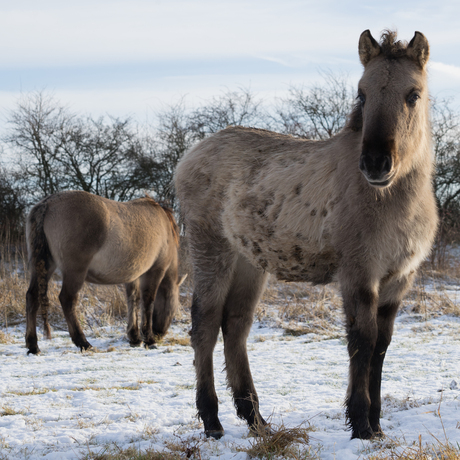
(419, 49)
(182, 279)
(368, 47)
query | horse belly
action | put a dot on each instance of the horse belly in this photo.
(116, 267)
(291, 260)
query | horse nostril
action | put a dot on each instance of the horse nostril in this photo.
(362, 164)
(386, 165)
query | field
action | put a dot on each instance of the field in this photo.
(117, 402)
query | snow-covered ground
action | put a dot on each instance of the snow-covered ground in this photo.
(64, 404)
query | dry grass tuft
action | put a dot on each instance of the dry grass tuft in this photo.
(318, 309)
(394, 450)
(8, 410)
(113, 452)
(279, 441)
(5, 338)
(175, 340)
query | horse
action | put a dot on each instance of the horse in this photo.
(358, 209)
(91, 238)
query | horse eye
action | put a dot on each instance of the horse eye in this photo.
(361, 97)
(412, 98)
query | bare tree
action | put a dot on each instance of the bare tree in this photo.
(35, 136)
(446, 145)
(316, 112)
(232, 108)
(100, 156)
(58, 150)
(12, 204)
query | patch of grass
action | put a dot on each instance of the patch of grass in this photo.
(393, 449)
(132, 387)
(177, 449)
(186, 448)
(35, 391)
(7, 410)
(5, 338)
(113, 452)
(273, 442)
(287, 304)
(175, 340)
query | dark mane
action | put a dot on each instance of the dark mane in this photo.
(390, 46)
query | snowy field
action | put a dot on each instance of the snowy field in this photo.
(64, 404)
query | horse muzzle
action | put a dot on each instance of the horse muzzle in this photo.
(378, 170)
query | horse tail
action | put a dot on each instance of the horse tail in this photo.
(40, 258)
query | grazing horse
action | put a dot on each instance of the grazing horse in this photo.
(94, 239)
(357, 208)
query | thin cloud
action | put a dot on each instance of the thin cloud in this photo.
(447, 69)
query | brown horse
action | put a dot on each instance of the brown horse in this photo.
(90, 238)
(358, 208)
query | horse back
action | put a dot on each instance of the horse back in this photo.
(115, 242)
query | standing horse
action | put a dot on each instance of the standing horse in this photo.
(90, 238)
(358, 208)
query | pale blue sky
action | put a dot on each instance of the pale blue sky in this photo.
(135, 57)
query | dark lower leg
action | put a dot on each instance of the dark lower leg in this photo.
(360, 310)
(239, 309)
(385, 321)
(133, 298)
(68, 301)
(32, 306)
(147, 312)
(358, 400)
(205, 328)
(149, 289)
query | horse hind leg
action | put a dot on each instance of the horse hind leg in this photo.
(133, 299)
(165, 304)
(72, 282)
(247, 286)
(212, 283)
(37, 298)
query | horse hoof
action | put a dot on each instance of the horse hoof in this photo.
(85, 347)
(378, 434)
(216, 434)
(34, 351)
(365, 434)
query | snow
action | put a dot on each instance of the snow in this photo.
(64, 404)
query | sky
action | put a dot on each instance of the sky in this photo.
(135, 58)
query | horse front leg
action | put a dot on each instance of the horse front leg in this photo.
(390, 296)
(385, 321)
(361, 322)
(149, 283)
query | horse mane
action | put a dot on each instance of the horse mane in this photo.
(390, 48)
(169, 213)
